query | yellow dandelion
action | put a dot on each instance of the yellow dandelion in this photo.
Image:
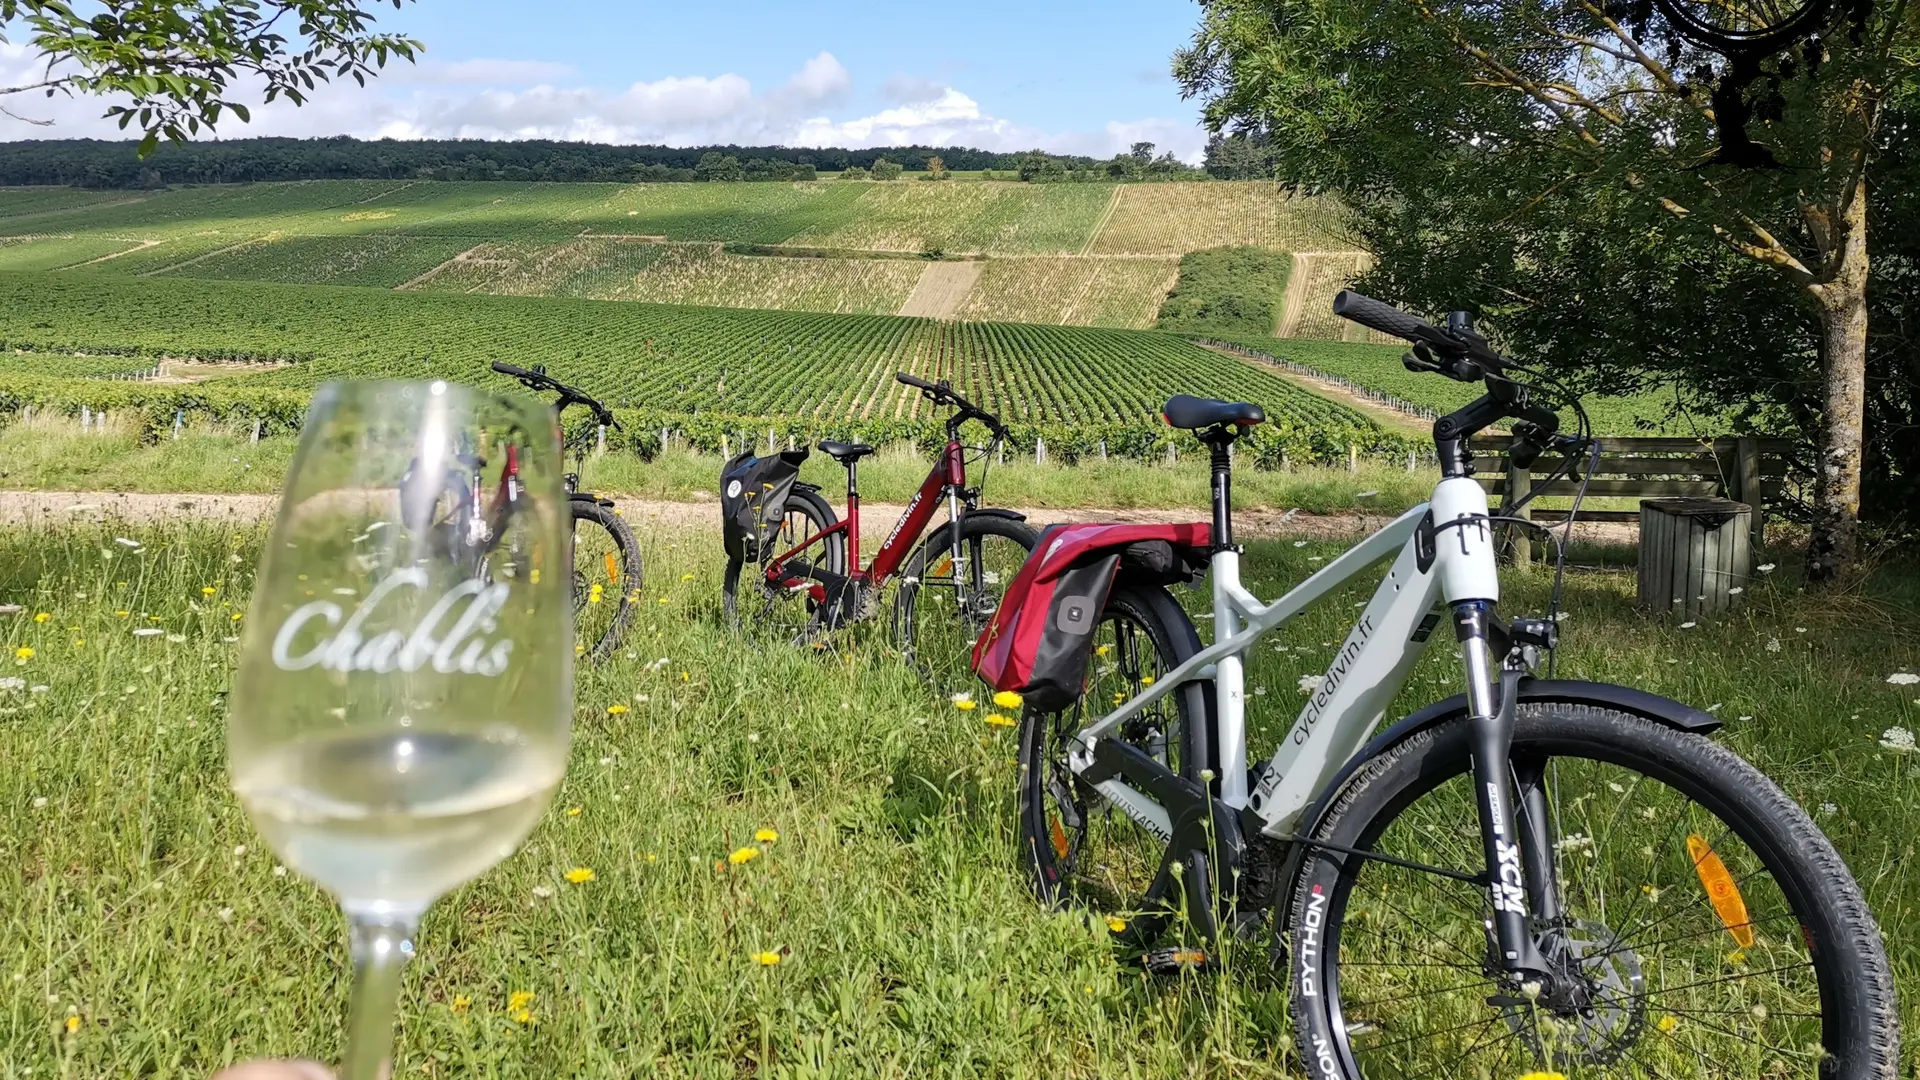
(520, 1000)
(573, 811)
(1102, 650)
(742, 856)
(1116, 924)
(1007, 699)
(595, 594)
(208, 590)
(1543, 1076)
(461, 1003)
(534, 577)
(664, 601)
(999, 720)
(651, 857)
(1667, 1023)
(73, 1025)
(79, 643)
(1119, 698)
(238, 615)
(964, 702)
(121, 614)
(686, 677)
(686, 577)
(766, 836)
(42, 617)
(579, 875)
(1736, 957)
(616, 710)
(766, 959)
(1146, 680)
(23, 654)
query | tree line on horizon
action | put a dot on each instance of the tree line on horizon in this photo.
(98, 163)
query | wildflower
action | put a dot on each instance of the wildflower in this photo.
(13, 683)
(1299, 543)
(176, 638)
(595, 594)
(238, 615)
(1543, 1076)
(766, 959)
(42, 617)
(73, 1025)
(1688, 625)
(999, 720)
(765, 836)
(1007, 699)
(148, 631)
(39, 802)
(1765, 568)
(1773, 644)
(1116, 924)
(1102, 650)
(1667, 1024)
(579, 875)
(1573, 842)
(542, 892)
(1903, 678)
(1310, 683)
(1898, 739)
(239, 850)
(461, 1003)
(573, 811)
(279, 869)
(963, 702)
(1829, 808)
(520, 1007)
(686, 577)
(742, 856)
(616, 709)
(225, 914)
(208, 590)
(23, 654)
(1146, 680)
(121, 614)
(651, 857)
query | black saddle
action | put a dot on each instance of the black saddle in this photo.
(1191, 413)
(846, 453)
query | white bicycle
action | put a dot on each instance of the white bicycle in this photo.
(1537, 874)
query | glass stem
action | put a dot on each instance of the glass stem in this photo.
(381, 943)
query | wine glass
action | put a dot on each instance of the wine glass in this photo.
(400, 716)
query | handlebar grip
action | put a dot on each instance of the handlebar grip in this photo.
(1385, 318)
(1543, 418)
(505, 368)
(903, 377)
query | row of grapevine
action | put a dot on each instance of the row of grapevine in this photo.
(1072, 386)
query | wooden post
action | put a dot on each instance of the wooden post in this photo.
(1353, 457)
(1746, 471)
(256, 432)
(86, 418)
(1039, 450)
(179, 421)
(1409, 461)
(1519, 486)
(600, 440)
(726, 447)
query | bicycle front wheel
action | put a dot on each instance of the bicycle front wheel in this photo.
(1704, 925)
(944, 603)
(606, 578)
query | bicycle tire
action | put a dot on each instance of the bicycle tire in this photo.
(619, 575)
(942, 662)
(1047, 848)
(1618, 1035)
(816, 516)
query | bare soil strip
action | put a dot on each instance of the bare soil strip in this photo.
(1297, 278)
(1106, 216)
(140, 246)
(941, 288)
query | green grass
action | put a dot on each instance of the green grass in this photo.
(143, 903)
(1231, 291)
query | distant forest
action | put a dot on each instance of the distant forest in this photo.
(98, 163)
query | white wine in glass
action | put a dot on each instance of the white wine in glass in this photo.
(400, 717)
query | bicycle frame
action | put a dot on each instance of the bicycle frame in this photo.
(948, 477)
(1446, 555)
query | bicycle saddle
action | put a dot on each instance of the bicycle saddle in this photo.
(1191, 413)
(844, 452)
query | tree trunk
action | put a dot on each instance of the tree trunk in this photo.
(1843, 356)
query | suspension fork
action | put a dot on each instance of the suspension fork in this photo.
(1518, 853)
(958, 553)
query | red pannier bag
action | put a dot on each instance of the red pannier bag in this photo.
(1037, 644)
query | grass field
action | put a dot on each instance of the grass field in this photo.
(1173, 219)
(146, 909)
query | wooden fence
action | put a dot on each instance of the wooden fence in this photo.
(1748, 470)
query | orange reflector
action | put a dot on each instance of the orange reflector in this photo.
(1721, 890)
(943, 567)
(613, 568)
(1059, 836)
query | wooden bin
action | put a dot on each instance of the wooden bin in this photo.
(1693, 554)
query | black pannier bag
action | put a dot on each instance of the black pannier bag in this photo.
(753, 500)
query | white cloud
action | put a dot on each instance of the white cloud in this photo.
(523, 99)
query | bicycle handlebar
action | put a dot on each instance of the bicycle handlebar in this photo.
(942, 393)
(540, 381)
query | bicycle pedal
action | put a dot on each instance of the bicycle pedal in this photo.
(1175, 960)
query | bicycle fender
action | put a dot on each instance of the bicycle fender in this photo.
(590, 497)
(995, 511)
(1624, 699)
(802, 485)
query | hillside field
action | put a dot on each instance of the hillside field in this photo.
(1107, 253)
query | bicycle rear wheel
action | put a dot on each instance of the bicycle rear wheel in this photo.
(606, 578)
(789, 614)
(1706, 926)
(1079, 847)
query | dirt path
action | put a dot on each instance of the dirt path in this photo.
(1105, 216)
(54, 507)
(941, 288)
(1391, 418)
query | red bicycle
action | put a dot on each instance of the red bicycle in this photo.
(949, 587)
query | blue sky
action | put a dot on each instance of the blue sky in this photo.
(1066, 75)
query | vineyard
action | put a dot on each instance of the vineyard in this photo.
(799, 247)
(708, 372)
